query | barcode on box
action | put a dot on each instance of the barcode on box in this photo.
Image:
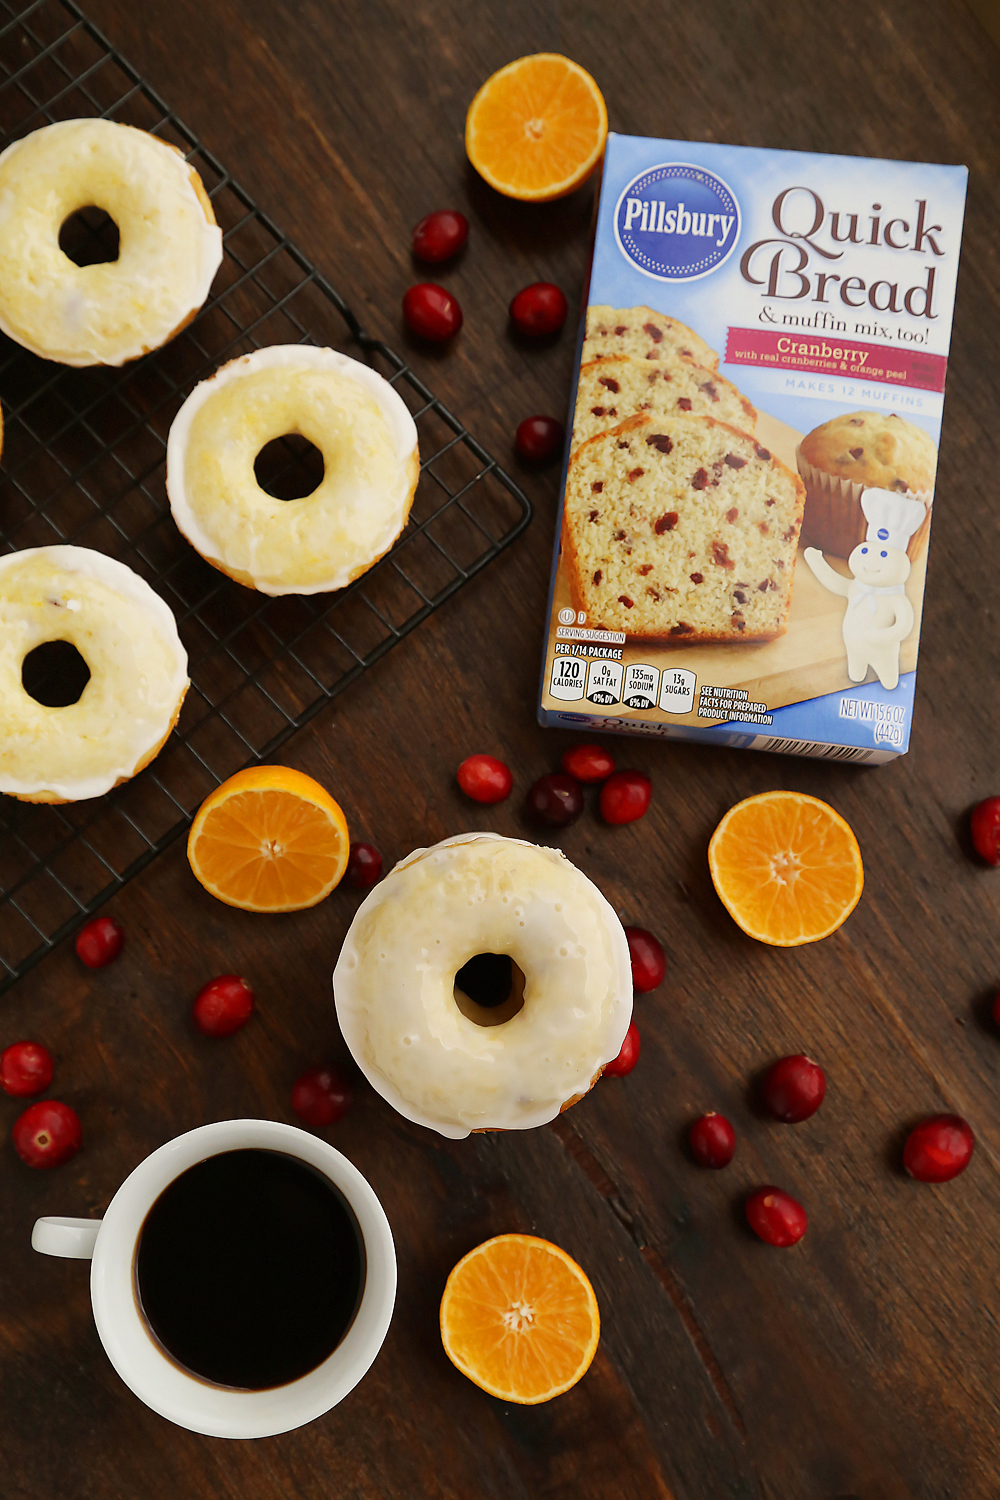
(820, 752)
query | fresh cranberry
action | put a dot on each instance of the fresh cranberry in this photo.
(100, 942)
(25, 1068)
(484, 778)
(555, 800)
(776, 1217)
(321, 1096)
(649, 962)
(440, 235)
(794, 1088)
(539, 439)
(986, 830)
(713, 1140)
(938, 1148)
(364, 866)
(627, 1057)
(588, 763)
(625, 796)
(539, 308)
(223, 1005)
(431, 312)
(47, 1134)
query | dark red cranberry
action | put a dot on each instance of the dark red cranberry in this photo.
(938, 1148)
(627, 1057)
(223, 1005)
(986, 830)
(440, 235)
(364, 866)
(625, 796)
(776, 1217)
(794, 1088)
(539, 439)
(539, 308)
(484, 778)
(100, 942)
(47, 1134)
(588, 763)
(321, 1096)
(713, 1140)
(25, 1068)
(431, 312)
(555, 800)
(649, 962)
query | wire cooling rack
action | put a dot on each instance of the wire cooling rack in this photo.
(83, 462)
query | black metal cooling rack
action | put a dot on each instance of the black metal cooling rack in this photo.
(84, 460)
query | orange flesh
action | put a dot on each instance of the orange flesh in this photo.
(520, 1319)
(787, 867)
(269, 840)
(537, 128)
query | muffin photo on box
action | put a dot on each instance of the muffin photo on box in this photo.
(862, 450)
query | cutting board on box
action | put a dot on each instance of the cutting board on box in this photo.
(808, 661)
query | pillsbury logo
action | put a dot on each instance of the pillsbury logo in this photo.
(677, 222)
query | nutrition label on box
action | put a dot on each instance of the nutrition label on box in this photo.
(569, 674)
(604, 682)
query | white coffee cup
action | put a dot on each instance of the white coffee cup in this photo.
(142, 1362)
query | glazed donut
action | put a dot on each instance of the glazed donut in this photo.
(361, 427)
(127, 636)
(170, 246)
(436, 1056)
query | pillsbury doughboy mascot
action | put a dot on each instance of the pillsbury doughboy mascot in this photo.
(879, 616)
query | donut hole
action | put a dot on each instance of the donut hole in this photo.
(289, 467)
(489, 989)
(89, 237)
(54, 674)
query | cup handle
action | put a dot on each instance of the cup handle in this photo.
(74, 1239)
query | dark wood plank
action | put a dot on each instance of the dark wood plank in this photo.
(862, 1363)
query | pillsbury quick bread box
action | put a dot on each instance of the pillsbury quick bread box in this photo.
(750, 474)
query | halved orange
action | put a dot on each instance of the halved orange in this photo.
(269, 839)
(520, 1319)
(787, 868)
(536, 129)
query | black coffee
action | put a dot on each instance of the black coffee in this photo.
(249, 1269)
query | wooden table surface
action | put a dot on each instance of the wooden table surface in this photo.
(863, 1363)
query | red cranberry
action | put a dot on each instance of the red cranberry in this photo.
(364, 866)
(440, 235)
(625, 796)
(321, 1096)
(794, 1088)
(627, 1057)
(649, 962)
(555, 800)
(986, 830)
(100, 942)
(539, 308)
(431, 312)
(776, 1217)
(25, 1068)
(588, 763)
(47, 1134)
(539, 439)
(713, 1140)
(938, 1148)
(484, 778)
(223, 1005)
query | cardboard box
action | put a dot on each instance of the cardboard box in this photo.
(749, 478)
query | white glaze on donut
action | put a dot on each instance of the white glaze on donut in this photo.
(395, 978)
(170, 246)
(127, 636)
(318, 543)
